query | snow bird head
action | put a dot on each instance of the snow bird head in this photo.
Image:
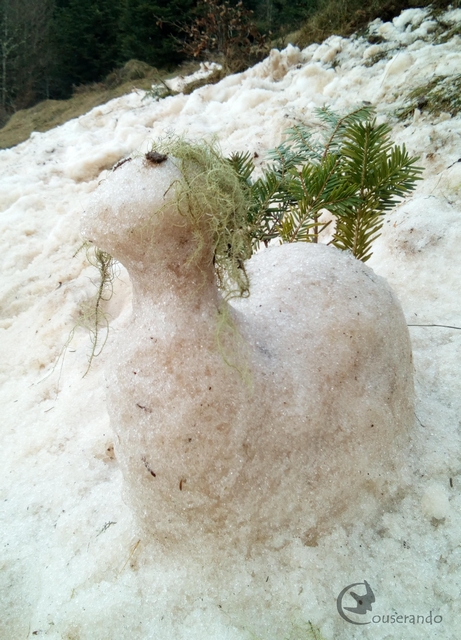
(180, 200)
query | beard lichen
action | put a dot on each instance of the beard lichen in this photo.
(92, 315)
(214, 202)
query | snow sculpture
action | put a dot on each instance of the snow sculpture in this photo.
(259, 420)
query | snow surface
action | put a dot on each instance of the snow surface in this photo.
(73, 563)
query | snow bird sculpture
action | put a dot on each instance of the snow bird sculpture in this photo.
(252, 419)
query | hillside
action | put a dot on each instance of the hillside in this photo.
(74, 565)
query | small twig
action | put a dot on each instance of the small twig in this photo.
(445, 326)
(130, 556)
(105, 527)
(423, 425)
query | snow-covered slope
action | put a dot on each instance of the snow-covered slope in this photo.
(72, 563)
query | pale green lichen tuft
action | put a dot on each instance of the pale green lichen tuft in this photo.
(211, 197)
(92, 316)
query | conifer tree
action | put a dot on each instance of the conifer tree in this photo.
(25, 54)
(86, 39)
(147, 30)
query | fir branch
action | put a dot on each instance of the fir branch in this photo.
(353, 170)
(334, 140)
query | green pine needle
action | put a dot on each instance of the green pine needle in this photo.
(349, 168)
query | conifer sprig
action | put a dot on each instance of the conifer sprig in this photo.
(350, 168)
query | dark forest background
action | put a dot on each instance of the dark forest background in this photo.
(47, 47)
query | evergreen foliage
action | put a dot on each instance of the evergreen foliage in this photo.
(148, 31)
(25, 55)
(86, 40)
(92, 37)
(349, 169)
(281, 15)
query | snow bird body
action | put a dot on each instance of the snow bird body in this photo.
(247, 421)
